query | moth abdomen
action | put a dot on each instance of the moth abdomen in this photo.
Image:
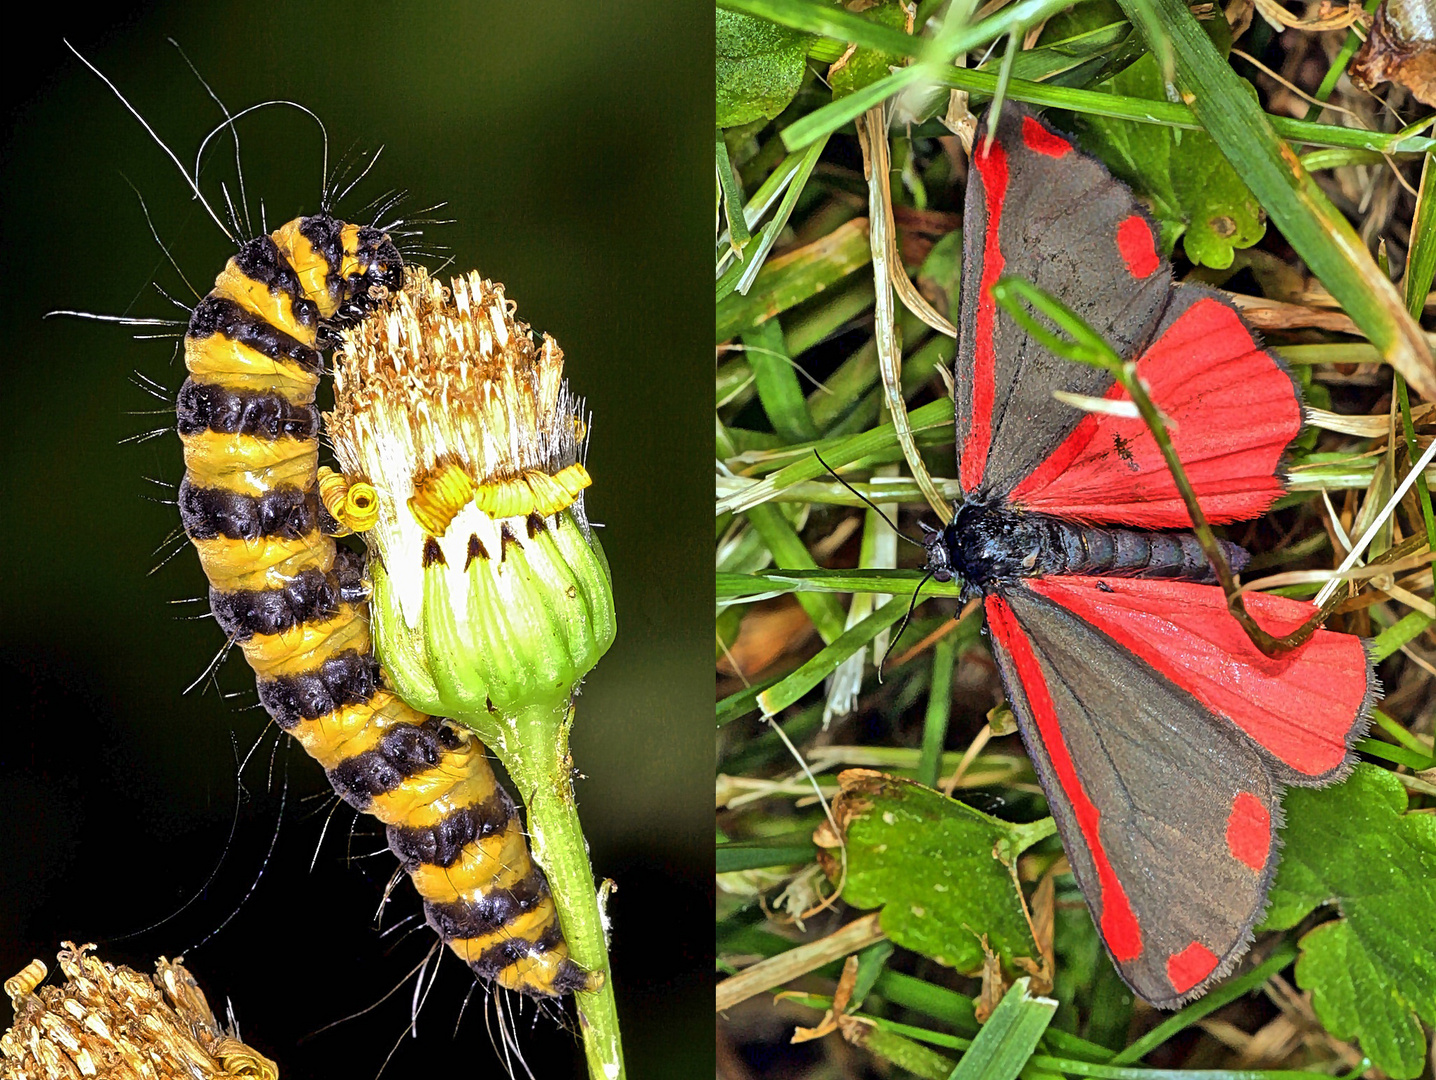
(1073, 548)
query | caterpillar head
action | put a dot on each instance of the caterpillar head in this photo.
(345, 270)
(372, 269)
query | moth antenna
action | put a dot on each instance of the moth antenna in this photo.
(912, 606)
(234, 131)
(872, 505)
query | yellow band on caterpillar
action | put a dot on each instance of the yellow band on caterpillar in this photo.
(495, 862)
(537, 972)
(527, 927)
(268, 563)
(311, 267)
(426, 798)
(248, 464)
(303, 648)
(236, 366)
(274, 307)
(351, 264)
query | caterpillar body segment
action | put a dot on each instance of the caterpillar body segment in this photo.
(296, 604)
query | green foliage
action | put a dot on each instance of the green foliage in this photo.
(1372, 973)
(928, 861)
(759, 66)
(867, 65)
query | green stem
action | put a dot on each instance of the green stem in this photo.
(537, 758)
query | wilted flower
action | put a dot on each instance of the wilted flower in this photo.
(491, 594)
(113, 1022)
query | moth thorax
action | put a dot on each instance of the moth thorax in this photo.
(987, 544)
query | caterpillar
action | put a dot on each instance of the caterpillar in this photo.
(295, 602)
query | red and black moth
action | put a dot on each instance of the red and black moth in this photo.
(1161, 735)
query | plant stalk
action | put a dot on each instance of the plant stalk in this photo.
(535, 753)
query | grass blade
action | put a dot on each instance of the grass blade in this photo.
(1008, 1039)
(1315, 228)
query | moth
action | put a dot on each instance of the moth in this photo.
(1161, 735)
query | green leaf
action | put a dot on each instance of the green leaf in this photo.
(1008, 1038)
(1195, 193)
(759, 66)
(867, 65)
(928, 862)
(1371, 973)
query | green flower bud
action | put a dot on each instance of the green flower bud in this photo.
(491, 594)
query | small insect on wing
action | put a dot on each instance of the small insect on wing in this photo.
(1038, 209)
(1162, 738)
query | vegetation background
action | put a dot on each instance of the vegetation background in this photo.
(569, 142)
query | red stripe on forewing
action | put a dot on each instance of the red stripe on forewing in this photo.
(1042, 141)
(1249, 830)
(991, 163)
(1137, 247)
(1190, 966)
(1302, 707)
(1232, 412)
(1118, 923)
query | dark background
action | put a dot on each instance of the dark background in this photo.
(572, 144)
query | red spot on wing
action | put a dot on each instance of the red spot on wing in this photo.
(1302, 707)
(991, 162)
(1249, 830)
(1039, 139)
(1138, 250)
(1233, 411)
(1118, 923)
(1190, 966)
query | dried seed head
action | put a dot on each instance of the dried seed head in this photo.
(491, 593)
(114, 1022)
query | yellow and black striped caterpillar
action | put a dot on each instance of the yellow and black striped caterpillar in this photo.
(295, 602)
